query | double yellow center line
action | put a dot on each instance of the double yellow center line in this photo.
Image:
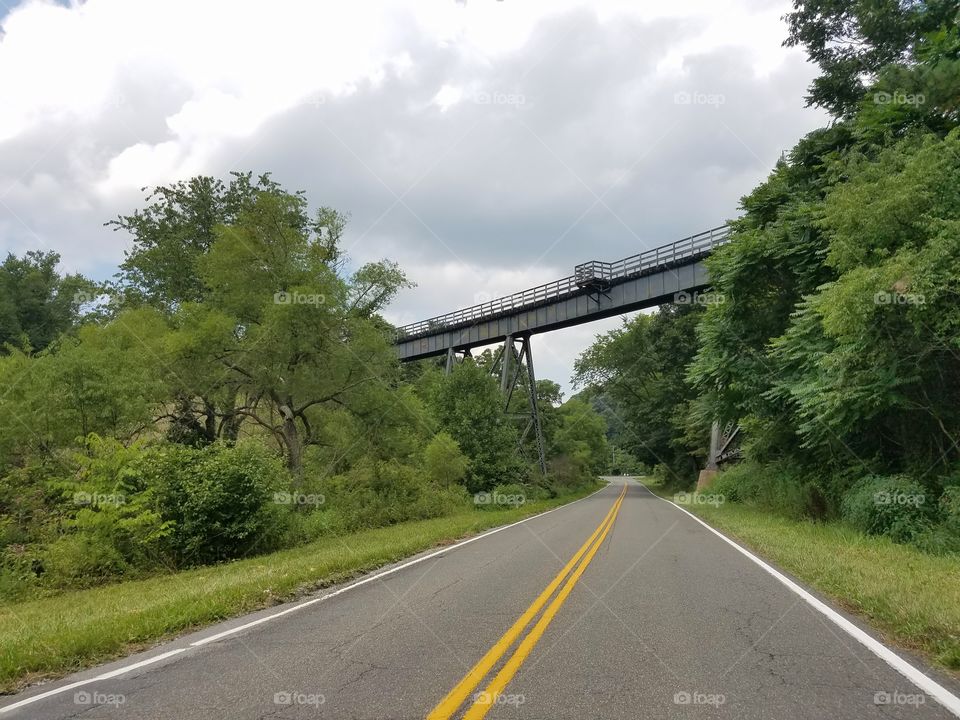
(485, 700)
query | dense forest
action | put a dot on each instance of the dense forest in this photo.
(833, 337)
(235, 390)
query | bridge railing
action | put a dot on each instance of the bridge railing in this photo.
(589, 274)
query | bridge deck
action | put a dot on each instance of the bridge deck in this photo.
(595, 290)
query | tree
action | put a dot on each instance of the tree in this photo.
(637, 373)
(468, 406)
(180, 224)
(37, 304)
(853, 40)
(869, 363)
(287, 334)
(581, 436)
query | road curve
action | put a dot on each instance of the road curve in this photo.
(617, 606)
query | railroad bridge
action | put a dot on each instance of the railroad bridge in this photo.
(670, 273)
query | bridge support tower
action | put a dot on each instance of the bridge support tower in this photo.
(514, 363)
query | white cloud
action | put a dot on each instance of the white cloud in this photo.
(487, 146)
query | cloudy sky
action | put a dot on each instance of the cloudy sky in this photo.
(486, 145)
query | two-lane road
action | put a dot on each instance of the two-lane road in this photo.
(620, 605)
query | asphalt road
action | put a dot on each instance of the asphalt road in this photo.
(658, 618)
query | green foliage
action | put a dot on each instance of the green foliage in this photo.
(780, 487)
(219, 498)
(137, 441)
(37, 304)
(107, 380)
(467, 404)
(894, 505)
(636, 376)
(443, 462)
(565, 475)
(581, 436)
(853, 40)
(377, 493)
(181, 223)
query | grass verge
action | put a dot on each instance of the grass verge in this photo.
(911, 597)
(52, 636)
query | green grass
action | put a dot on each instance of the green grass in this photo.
(911, 597)
(55, 635)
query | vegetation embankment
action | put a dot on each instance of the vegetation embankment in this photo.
(911, 596)
(226, 423)
(54, 635)
(831, 336)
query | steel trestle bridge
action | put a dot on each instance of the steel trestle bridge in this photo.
(595, 290)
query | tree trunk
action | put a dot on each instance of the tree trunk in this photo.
(292, 443)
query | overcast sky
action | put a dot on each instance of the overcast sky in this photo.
(488, 146)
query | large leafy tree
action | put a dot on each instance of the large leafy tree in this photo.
(870, 363)
(854, 40)
(468, 405)
(281, 334)
(179, 225)
(168, 268)
(37, 303)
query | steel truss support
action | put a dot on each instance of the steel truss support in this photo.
(452, 359)
(515, 365)
(721, 444)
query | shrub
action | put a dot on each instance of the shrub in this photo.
(892, 505)
(220, 498)
(443, 462)
(81, 559)
(944, 537)
(373, 494)
(781, 487)
(566, 474)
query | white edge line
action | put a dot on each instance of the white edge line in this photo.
(930, 686)
(98, 678)
(300, 606)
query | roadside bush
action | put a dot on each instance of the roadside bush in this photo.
(20, 566)
(374, 494)
(301, 528)
(443, 462)
(220, 499)
(944, 537)
(566, 474)
(78, 560)
(891, 505)
(779, 487)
